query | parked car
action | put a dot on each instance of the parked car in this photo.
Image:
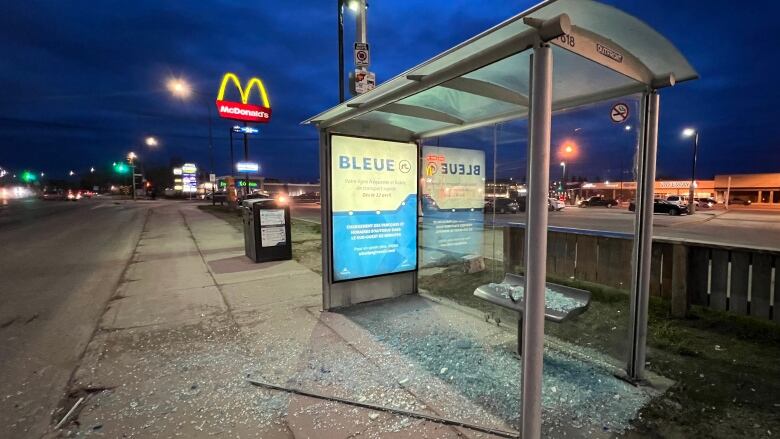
(308, 197)
(681, 200)
(555, 204)
(428, 203)
(598, 200)
(663, 206)
(706, 202)
(503, 205)
(743, 201)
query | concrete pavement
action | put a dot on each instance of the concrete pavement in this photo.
(192, 319)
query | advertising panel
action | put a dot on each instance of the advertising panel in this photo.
(453, 199)
(374, 207)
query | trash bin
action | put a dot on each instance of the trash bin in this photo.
(266, 230)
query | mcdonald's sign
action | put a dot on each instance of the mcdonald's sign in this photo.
(243, 110)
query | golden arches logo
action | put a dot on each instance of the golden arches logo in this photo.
(245, 92)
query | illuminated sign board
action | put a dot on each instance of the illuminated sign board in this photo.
(247, 167)
(245, 130)
(243, 110)
(240, 183)
(189, 168)
(374, 207)
(453, 199)
(177, 171)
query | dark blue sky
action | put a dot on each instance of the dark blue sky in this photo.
(82, 82)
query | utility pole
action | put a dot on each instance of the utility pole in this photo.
(692, 192)
(132, 169)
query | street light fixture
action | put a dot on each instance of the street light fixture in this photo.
(71, 173)
(692, 132)
(179, 87)
(92, 170)
(151, 142)
(182, 89)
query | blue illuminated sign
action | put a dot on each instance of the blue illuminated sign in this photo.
(245, 130)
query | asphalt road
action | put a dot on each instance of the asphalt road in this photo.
(744, 227)
(59, 265)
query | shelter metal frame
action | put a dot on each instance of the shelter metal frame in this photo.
(390, 113)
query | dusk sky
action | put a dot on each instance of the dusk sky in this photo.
(83, 83)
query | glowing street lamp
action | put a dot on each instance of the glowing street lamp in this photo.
(179, 87)
(692, 132)
(151, 142)
(92, 170)
(71, 173)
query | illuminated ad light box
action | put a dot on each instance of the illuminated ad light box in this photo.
(243, 111)
(250, 167)
(452, 201)
(374, 207)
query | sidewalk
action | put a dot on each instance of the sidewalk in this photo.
(193, 319)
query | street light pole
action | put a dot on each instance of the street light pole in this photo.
(688, 132)
(341, 49)
(563, 180)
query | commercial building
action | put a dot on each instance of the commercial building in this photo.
(758, 189)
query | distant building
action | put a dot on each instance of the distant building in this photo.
(759, 189)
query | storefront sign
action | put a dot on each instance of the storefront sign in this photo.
(188, 168)
(243, 110)
(453, 198)
(374, 207)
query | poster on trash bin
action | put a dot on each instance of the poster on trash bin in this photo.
(452, 200)
(374, 207)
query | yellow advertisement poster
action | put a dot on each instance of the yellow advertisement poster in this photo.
(374, 207)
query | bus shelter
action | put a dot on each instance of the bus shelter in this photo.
(555, 56)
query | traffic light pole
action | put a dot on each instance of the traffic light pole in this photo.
(132, 174)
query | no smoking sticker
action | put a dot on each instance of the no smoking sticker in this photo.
(619, 113)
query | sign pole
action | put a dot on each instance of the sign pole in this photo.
(246, 159)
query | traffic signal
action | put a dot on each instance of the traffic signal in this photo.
(121, 168)
(28, 177)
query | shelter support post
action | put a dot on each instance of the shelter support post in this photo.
(540, 119)
(643, 236)
(325, 226)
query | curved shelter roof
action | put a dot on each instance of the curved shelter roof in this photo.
(604, 53)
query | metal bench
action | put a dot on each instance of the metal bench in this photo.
(492, 294)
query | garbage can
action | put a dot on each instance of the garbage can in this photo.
(266, 230)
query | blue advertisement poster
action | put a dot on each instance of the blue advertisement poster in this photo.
(453, 200)
(374, 207)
